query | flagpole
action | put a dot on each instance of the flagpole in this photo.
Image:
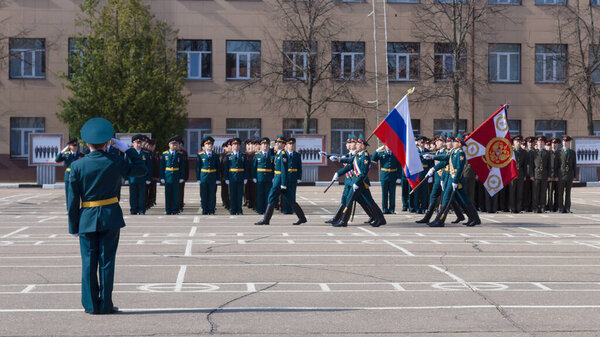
(408, 92)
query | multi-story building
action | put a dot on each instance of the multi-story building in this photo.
(521, 63)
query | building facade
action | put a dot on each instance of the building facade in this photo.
(224, 41)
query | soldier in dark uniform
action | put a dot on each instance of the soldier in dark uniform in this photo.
(155, 174)
(262, 174)
(171, 175)
(236, 174)
(566, 175)
(539, 173)
(137, 185)
(528, 185)
(294, 175)
(185, 174)
(515, 187)
(421, 198)
(438, 180)
(207, 175)
(470, 181)
(552, 203)
(94, 213)
(345, 160)
(69, 155)
(224, 187)
(388, 174)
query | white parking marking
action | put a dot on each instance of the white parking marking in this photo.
(447, 273)
(539, 232)
(404, 250)
(180, 278)
(368, 231)
(14, 232)
(188, 248)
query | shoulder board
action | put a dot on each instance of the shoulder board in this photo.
(180, 152)
(380, 150)
(282, 151)
(366, 153)
(257, 152)
(460, 150)
(165, 152)
(68, 152)
(201, 152)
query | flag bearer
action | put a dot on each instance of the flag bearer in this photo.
(566, 175)
(262, 173)
(171, 175)
(207, 174)
(236, 174)
(137, 185)
(69, 155)
(388, 174)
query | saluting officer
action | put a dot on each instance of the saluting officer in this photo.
(137, 185)
(69, 155)
(94, 212)
(388, 174)
(207, 174)
(539, 173)
(566, 175)
(294, 175)
(171, 175)
(262, 173)
(515, 187)
(236, 174)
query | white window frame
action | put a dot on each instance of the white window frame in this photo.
(187, 54)
(21, 58)
(293, 56)
(24, 150)
(551, 132)
(248, 56)
(397, 57)
(507, 55)
(554, 60)
(353, 63)
(445, 71)
(188, 141)
(342, 138)
(504, 2)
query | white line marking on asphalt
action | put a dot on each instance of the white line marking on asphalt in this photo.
(324, 287)
(193, 231)
(28, 289)
(436, 242)
(541, 286)
(188, 248)
(447, 273)
(489, 219)
(196, 219)
(251, 287)
(585, 217)
(140, 242)
(46, 219)
(180, 278)
(291, 242)
(14, 232)
(587, 244)
(306, 199)
(398, 287)
(326, 210)
(241, 242)
(539, 232)
(404, 250)
(27, 198)
(368, 231)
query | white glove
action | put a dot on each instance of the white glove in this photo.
(298, 181)
(181, 180)
(283, 187)
(198, 181)
(147, 182)
(218, 182)
(335, 176)
(427, 156)
(380, 148)
(126, 182)
(76, 235)
(430, 172)
(323, 153)
(162, 181)
(245, 181)
(430, 179)
(120, 145)
(65, 149)
(334, 158)
(227, 182)
(442, 186)
(398, 181)
(354, 187)
(254, 180)
(454, 186)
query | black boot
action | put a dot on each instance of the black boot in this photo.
(379, 218)
(267, 217)
(367, 210)
(440, 219)
(343, 221)
(300, 213)
(429, 213)
(337, 215)
(473, 216)
(457, 210)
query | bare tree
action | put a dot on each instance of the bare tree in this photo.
(450, 25)
(576, 25)
(302, 68)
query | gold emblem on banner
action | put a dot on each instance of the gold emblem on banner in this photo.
(498, 153)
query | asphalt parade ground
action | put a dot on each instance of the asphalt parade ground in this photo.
(194, 275)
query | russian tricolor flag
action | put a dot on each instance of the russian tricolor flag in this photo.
(396, 132)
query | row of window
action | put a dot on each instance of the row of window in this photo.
(245, 128)
(27, 60)
(491, 2)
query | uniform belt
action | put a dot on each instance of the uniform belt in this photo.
(236, 170)
(172, 168)
(264, 170)
(208, 171)
(98, 203)
(292, 170)
(68, 170)
(388, 170)
(277, 172)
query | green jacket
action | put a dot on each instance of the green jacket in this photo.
(388, 165)
(208, 170)
(236, 167)
(540, 168)
(171, 166)
(263, 166)
(567, 164)
(294, 167)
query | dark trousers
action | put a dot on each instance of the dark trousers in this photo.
(236, 195)
(552, 203)
(539, 194)
(262, 195)
(515, 194)
(180, 195)
(491, 203)
(388, 195)
(564, 195)
(137, 197)
(527, 194)
(150, 194)
(208, 196)
(405, 191)
(172, 197)
(225, 195)
(286, 203)
(98, 251)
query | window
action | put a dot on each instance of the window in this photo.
(75, 49)
(596, 62)
(416, 126)
(296, 60)
(450, 1)
(20, 128)
(27, 58)
(348, 60)
(403, 61)
(597, 128)
(444, 64)
(196, 130)
(514, 127)
(244, 128)
(551, 2)
(505, 2)
(243, 60)
(404, 1)
(550, 63)
(295, 126)
(447, 126)
(341, 128)
(505, 62)
(198, 55)
(595, 2)
(550, 128)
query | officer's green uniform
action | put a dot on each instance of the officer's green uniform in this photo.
(540, 171)
(263, 168)
(208, 172)
(236, 171)
(68, 157)
(294, 174)
(94, 213)
(171, 169)
(515, 187)
(566, 175)
(388, 174)
(439, 181)
(137, 185)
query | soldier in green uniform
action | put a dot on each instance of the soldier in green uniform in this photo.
(515, 187)
(224, 187)
(69, 155)
(250, 187)
(552, 203)
(528, 185)
(438, 180)
(280, 184)
(388, 174)
(539, 173)
(137, 185)
(566, 175)
(185, 173)
(420, 195)
(262, 174)
(94, 213)
(171, 175)
(207, 175)
(155, 174)
(236, 176)
(345, 160)
(294, 175)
